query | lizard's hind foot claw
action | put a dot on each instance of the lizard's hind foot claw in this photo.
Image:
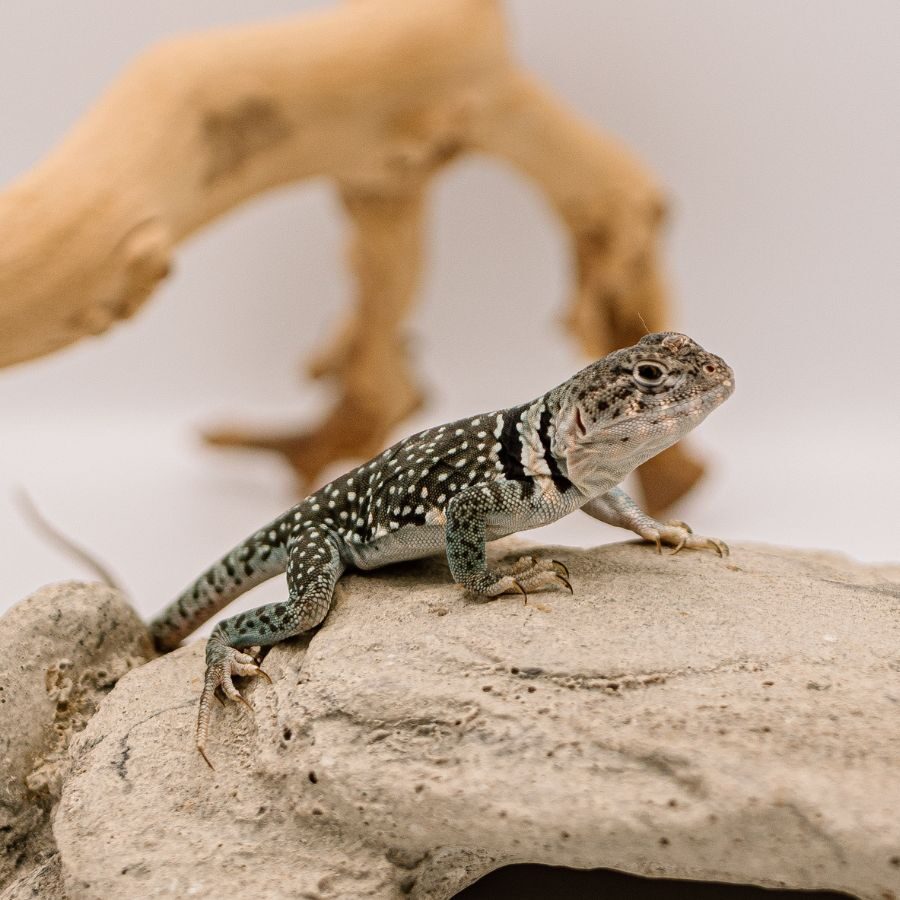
(223, 664)
(202, 751)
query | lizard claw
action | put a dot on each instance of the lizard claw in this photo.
(223, 664)
(529, 574)
(679, 536)
(520, 589)
(240, 698)
(545, 574)
(202, 750)
(720, 547)
(561, 572)
(566, 582)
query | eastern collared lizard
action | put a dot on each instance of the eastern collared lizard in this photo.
(454, 487)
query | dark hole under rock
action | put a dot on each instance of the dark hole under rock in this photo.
(536, 882)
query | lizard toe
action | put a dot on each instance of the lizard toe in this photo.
(223, 664)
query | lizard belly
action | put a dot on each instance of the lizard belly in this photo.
(410, 542)
(417, 541)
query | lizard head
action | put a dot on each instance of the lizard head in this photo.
(635, 402)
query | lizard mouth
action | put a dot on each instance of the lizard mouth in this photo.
(702, 403)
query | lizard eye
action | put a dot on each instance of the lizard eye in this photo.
(649, 374)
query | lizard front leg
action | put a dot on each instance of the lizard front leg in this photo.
(615, 507)
(313, 568)
(468, 514)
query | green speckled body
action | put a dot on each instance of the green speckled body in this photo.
(455, 487)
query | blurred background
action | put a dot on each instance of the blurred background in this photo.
(774, 128)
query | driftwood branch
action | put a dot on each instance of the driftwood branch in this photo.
(377, 95)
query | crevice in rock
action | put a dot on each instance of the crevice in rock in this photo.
(121, 761)
(615, 681)
(527, 881)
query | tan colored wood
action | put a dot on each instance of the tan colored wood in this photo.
(377, 95)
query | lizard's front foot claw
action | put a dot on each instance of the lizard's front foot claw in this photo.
(541, 574)
(530, 574)
(223, 664)
(680, 536)
(518, 587)
(561, 571)
(566, 582)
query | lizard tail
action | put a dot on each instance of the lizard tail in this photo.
(250, 563)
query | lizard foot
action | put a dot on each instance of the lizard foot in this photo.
(222, 664)
(534, 574)
(530, 574)
(679, 535)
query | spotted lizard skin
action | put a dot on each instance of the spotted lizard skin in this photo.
(454, 487)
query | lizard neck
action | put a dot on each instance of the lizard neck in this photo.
(593, 469)
(528, 444)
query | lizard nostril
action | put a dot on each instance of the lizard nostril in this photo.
(709, 368)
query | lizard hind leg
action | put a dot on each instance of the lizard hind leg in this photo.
(313, 568)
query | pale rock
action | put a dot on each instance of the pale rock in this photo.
(61, 651)
(686, 716)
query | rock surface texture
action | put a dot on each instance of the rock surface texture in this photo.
(731, 720)
(61, 652)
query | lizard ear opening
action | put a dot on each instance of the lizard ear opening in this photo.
(579, 423)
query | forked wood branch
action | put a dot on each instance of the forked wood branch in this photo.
(377, 95)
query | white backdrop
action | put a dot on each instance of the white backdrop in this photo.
(774, 125)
